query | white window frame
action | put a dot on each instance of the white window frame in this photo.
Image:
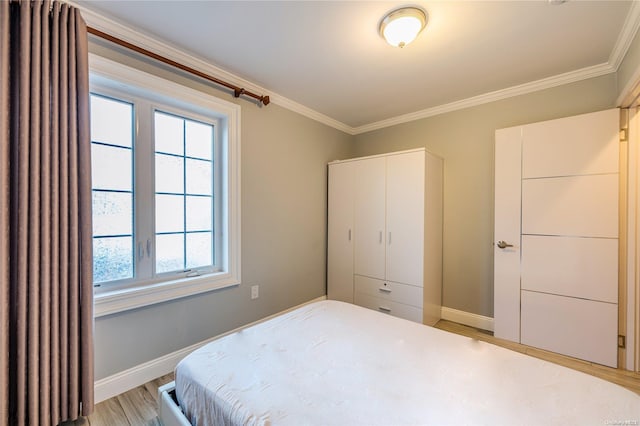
(110, 77)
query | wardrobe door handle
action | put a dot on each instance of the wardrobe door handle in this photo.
(383, 309)
(386, 290)
(349, 234)
(389, 237)
(380, 239)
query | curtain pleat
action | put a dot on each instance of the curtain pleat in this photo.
(74, 256)
(20, 199)
(33, 222)
(55, 214)
(4, 213)
(85, 202)
(63, 141)
(46, 293)
(45, 224)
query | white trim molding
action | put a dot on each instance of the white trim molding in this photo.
(627, 33)
(522, 89)
(626, 36)
(140, 39)
(467, 318)
(633, 244)
(133, 377)
(112, 302)
(631, 90)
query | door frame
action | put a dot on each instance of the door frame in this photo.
(632, 296)
(629, 98)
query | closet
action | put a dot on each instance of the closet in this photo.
(385, 233)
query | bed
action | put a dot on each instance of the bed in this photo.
(333, 363)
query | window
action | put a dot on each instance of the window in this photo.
(165, 180)
(184, 193)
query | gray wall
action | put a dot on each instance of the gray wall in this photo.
(629, 63)
(465, 140)
(284, 157)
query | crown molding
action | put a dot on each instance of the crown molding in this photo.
(534, 86)
(310, 113)
(631, 90)
(627, 33)
(124, 32)
(626, 36)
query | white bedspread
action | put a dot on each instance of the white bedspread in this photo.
(332, 363)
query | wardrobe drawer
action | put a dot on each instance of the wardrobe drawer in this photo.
(389, 307)
(388, 290)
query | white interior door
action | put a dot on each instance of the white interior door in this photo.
(405, 218)
(506, 271)
(340, 232)
(561, 276)
(370, 217)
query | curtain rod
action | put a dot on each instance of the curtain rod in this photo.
(237, 91)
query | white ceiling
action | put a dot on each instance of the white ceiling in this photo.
(329, 57)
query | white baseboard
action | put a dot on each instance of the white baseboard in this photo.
(140, 374)
(123, 381)
(467, 318)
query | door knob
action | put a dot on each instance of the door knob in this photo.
(503, 244)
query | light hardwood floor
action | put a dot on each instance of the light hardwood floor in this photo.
(628, 379)
(139, 406)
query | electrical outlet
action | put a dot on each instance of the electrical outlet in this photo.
(255, 291)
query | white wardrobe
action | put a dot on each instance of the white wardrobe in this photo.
(385, 234)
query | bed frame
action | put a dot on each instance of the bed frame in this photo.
(170, 412)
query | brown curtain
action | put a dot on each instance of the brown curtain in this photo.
(46, 294)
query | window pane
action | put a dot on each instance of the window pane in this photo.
(169, 253)
(199, 249)
(169, 136)
(112, 213)
(112, 170)
(199, 140)
(169, 213)
(112, 259)
(110, 167)
(111, 121)
(199, 217)
(199, 180)
(169, 174)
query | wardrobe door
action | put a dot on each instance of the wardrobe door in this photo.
(340, 232)
(370, 217)
(405, 218)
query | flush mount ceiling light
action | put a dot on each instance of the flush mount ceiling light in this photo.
(401, 26)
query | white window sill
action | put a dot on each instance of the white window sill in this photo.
(111, 302)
